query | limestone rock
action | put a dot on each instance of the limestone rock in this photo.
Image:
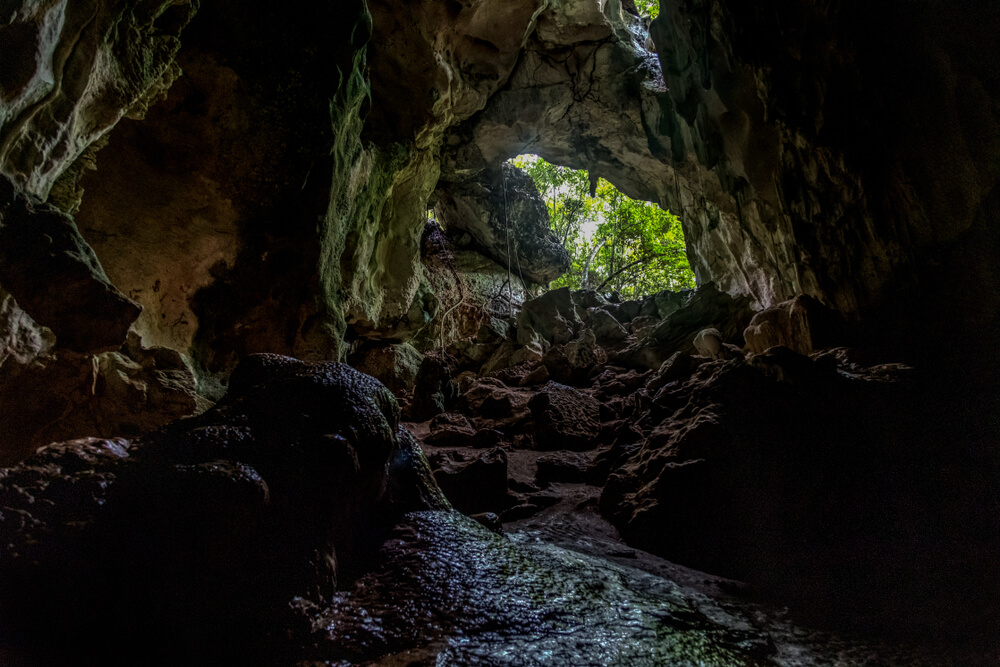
(773, 471)
(707, 308)
(555, 317)
(473, 483)
(565, 418)
(802, 324)
(605, 327)
(572, 363)
(299, 462)
(490, 400)
(58, 394)
(395, 366)
(709, 343)
(679, 366)
(56, 277)
(565, 467)
(71, 70)
(502, 201)
(450, 429)
(434, 389)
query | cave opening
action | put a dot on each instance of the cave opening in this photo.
(428, 371)
(619, 246)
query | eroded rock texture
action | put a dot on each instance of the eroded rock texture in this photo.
(508, 222)
(72, 70)
(193, 542)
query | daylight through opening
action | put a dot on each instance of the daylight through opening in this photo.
(618, 245)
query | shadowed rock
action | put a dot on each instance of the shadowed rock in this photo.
(202, 533)
(56, 278)
(504, 202)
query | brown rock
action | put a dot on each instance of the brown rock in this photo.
(474, 482)
(450, 429)
(56, 278)
(565, 418)
(801, 324)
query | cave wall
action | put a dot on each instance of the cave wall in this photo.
(870, 148)
(275, 196)
(844, 151)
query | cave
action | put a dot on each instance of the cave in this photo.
(285, 379)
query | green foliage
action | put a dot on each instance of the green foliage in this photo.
(617, 244)
(648, 7)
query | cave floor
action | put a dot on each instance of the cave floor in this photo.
(559, 587)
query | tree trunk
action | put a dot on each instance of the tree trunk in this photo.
(586, 267)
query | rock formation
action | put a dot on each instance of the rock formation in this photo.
(195, 539)
(186, 184)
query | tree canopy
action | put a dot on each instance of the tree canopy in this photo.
(648, 7)
(617, 244)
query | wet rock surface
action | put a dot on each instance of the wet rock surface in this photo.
(193, 541)
(447, 591)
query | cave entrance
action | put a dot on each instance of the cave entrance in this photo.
(617, 245)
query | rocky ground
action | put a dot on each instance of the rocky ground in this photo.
(598, 459)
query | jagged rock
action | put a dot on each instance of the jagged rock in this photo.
(802, 324)
(450, 429)
(491, 399)
(605, 327)
(504, 214)
(512, 375)
(303, 467)
(395, 366)
(572, 363)
(707, 308)
(641, 325)
(501, 359)
(528, 354)
(58, 394)
(56, 278)
(473, 483)
(785, 365)
(617, 380)
(679, 366)
(538, 376)
(565, 418)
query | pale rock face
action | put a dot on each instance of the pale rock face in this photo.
(508, 221)
(71, 70)
(708, 342)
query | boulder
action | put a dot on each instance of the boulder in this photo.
(707, 308)
(573, 363)
(565, 418)
(395, 366)
(296, 472)
(473, 482)
(605, 327)
(802, 324)
(679, 366)
(564, 467)
(450, 429)
(554, 317)
(489, 399)
(507, 219)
